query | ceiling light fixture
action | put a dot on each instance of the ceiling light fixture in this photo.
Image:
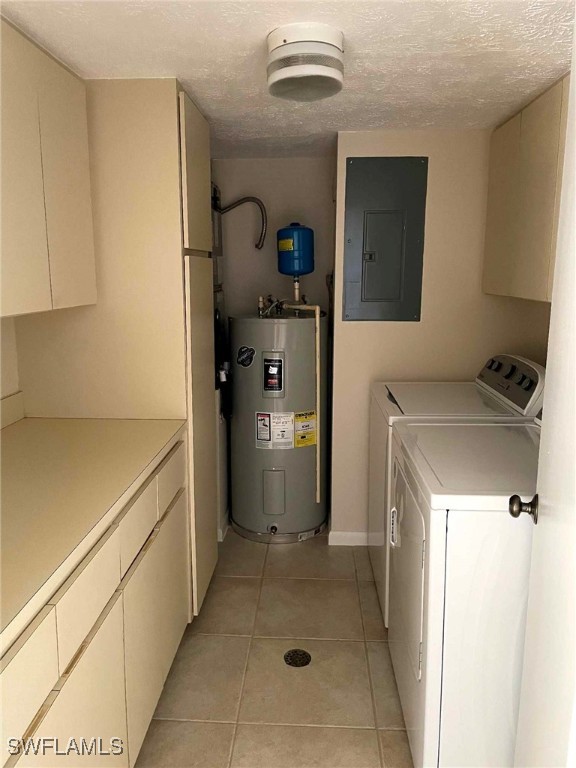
(305, 61)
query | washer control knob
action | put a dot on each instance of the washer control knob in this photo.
(494, 365)
(519, 378)
(508, 371)
(527, 383)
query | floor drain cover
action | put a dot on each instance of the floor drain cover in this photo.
(297, 658)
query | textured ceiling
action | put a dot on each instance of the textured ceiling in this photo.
(408, 63)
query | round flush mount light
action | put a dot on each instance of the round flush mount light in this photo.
(305, 61)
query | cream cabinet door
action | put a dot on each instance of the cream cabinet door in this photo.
(174, 554)
(195, 162)
(526, 159)
(25, 272)
(156, 604)
(90, 704)
(536, 191)
(28, 672)
(142, 595)
(64, 132)
(202, 435)
(47, 233)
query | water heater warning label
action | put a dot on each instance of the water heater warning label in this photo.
(274, 430)
(305, 432)
(262, 428)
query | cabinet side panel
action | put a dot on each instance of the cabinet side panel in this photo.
(202, 436)
(500, 248)
(195, 159)
(64, 133)
(560, 169)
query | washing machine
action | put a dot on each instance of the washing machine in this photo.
(507, 388)
(459, 573)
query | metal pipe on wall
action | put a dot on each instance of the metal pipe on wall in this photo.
(256, 200)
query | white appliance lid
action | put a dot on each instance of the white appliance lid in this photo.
(471, 466)
(465, 398)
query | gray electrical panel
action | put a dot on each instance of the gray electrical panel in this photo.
(384, 237)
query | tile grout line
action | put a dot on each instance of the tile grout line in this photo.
(235, 731)
(290, 578)
(290, 637)
(280, 725)
(368, 669)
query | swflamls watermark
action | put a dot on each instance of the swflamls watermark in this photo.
(47, 745)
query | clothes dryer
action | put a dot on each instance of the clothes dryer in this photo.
(508, 388)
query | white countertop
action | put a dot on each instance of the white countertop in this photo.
(59, 479)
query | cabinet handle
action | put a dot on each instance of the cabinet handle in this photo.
(393, 527)
(75, 659)
(38, 717)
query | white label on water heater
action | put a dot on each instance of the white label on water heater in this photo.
(262, 428)
(274, 430)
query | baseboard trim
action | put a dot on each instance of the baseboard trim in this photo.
(222, 532)
(11, 409)
(348, 538)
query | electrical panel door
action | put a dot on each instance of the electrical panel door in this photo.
(384, 237)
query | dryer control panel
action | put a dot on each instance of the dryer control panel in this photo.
(517, 382)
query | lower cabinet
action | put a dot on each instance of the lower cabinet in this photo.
(28, 672)
(88, 712)
(156, 603)
(81, 684)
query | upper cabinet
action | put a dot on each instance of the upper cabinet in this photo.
(526, 159)
(47, 235)
(195, 160)
(25, 273)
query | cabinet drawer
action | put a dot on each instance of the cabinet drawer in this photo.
(136, 522)
(90, 703)
(82, 597)
(28, 672)
(171, 477)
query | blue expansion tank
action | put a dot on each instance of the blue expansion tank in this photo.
(295, 250)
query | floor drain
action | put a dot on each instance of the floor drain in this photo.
(297, 658)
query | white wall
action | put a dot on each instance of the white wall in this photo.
(547, 717)
(9, 380)
(292, 189)
(460, 326)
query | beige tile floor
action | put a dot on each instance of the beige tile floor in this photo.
(230, 701)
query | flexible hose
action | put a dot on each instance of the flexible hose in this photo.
(263, 213)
